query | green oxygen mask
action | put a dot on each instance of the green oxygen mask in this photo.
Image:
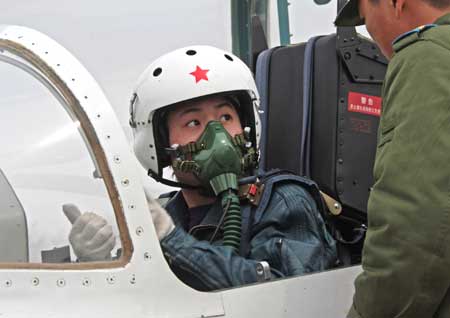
(217, 160)
(220, 160)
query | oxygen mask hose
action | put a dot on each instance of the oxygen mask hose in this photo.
(226, 186)
(233, 220)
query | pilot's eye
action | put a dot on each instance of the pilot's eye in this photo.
(193, 123)
(226, 117)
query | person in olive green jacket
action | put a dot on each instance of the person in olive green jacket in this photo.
(406, 256)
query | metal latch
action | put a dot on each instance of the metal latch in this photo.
(333, 206)
(263, 271)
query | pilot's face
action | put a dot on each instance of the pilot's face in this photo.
(188, 121)
(381, 23)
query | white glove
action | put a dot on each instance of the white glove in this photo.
(91, 237)
(161, 219)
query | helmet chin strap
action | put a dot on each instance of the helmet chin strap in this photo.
(171, 183)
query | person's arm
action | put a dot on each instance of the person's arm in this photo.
(290, 237)
(406, 252)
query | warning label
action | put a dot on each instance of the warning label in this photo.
(365, 104)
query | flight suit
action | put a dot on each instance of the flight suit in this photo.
(406, 255)
(285, 230)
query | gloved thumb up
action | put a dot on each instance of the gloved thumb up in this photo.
(71, 211)
(91, 237)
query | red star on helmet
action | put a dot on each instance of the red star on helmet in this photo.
(200, 74)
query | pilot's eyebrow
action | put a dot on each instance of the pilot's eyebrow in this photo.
(194, 109)
(224, 104)
(188, 111)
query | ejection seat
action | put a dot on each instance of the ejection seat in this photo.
(321, 111)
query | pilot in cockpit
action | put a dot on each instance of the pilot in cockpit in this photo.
(195, 110)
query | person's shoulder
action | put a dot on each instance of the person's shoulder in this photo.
(438, 37)
(410, 38)
(292, 193)
(290, 203)
(422, 43)
(420, 58)
(286, 186)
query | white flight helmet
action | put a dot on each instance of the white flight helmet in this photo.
(183, 75)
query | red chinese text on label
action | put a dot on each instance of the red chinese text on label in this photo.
(364, 104)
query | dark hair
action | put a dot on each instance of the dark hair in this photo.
(438, 4)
